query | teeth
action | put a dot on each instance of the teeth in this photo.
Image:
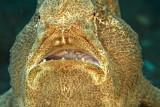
(44, 60)
(82, 59)
(63, 58)
(65, 52)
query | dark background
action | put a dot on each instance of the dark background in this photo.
(142, 15)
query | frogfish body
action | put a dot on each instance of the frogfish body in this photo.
(78, 53)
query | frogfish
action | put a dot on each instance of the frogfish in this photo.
(78, 53)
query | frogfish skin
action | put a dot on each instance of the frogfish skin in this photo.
(78, 53)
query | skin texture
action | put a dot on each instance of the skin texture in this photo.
(92, 26)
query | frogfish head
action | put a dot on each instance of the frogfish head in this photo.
(60, 58)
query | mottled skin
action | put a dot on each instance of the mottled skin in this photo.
(94, 26)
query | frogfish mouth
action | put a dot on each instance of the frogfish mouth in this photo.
(71, 54)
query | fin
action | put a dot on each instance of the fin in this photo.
(151, 95)
(6, 99)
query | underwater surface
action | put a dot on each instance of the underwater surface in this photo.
(142, 15)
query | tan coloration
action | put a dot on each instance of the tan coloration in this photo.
(93, 27)
(110, 6)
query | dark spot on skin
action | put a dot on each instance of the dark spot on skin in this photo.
(39, 17)
(94, 13)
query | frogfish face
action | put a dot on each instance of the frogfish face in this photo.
(67, 65)
(76, 53)
(67, 69)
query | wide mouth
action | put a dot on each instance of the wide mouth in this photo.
(71, 54)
